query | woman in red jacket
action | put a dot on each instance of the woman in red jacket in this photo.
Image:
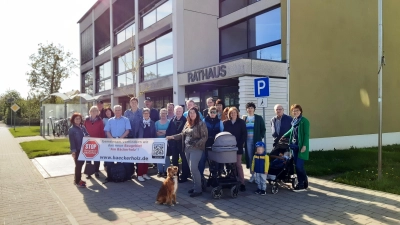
(94, 126)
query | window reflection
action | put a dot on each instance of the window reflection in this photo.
(149, 19)
(150, 72)
(270, 53)
(149, 52)
(165, 68)
(126, 33)
(126, 63)
(265, 28)
(157, 14)
(164, 10)
(164, 46)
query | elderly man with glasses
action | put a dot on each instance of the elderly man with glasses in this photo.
(280, 124)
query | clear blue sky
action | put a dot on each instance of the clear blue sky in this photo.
(25, 24)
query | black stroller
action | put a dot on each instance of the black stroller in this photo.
(224, 150)
(286, 173)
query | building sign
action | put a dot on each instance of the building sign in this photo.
(207, 73)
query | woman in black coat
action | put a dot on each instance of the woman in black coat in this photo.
(237, 127)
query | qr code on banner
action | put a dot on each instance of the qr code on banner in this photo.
(158, 150)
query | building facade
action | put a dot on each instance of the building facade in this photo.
(173, 50)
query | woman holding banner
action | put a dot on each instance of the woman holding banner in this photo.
(147, 129)
(75, 134)
(94, 126)
(195, 135)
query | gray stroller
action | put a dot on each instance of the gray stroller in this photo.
(224, 150)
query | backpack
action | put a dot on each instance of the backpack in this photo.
(116, 173)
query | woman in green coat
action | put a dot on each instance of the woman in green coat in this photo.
(255, 132)
(299, 138)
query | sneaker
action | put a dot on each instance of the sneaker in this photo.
(81, 184)
(299, 189)
(252, 179)
(258, 192)
(195, 194)
(242, 187)
(141, 179)
(145, 176)
(97, 174)
(159, 174)
(262, 192)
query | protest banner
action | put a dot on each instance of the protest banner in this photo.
(139, 150)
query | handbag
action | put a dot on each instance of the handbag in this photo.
(90, 169)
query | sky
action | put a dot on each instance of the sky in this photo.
(27, 23)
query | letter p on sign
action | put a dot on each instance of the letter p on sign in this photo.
(261, 87)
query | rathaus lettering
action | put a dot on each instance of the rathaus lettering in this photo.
(208, 73)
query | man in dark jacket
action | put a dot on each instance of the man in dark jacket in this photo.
(154, 115)
(210, 102)
(280, 124)
(175, 147)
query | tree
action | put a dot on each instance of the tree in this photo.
(50, 66)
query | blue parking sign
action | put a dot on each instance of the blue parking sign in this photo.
(261, 87)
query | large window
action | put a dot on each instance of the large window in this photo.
(157, 57)
(229, 6)
(157, 14)
(125, 33)
(125, 64)
(104, 77)
(87, 81)
(87, 45)
(258, 37)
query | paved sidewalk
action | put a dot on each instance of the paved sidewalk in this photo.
(25, 197)
(133, 203)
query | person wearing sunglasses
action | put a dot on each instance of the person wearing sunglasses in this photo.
(214, 126)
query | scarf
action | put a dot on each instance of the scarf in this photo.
(296, 121)
(146, 123)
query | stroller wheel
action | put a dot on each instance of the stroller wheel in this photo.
(234, 191)
(216, 192)
(294, 182)
(274, 189)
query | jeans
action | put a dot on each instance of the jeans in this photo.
(193, 157)
(202, 163)
(162, 168)
(176, 152)
(250, 152)
(300, 171)
(78, 168)
(261, 180)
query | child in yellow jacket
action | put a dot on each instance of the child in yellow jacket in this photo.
(259, 166)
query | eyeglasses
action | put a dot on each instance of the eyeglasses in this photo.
(295, 111)
(213, 112)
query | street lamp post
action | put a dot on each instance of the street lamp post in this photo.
(380, 65)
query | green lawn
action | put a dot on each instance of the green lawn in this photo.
(46, 148)
(25, 131)
(358, 167)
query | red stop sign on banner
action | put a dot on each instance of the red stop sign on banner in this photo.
(90, 149)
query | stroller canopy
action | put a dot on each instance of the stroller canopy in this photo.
(224, 141)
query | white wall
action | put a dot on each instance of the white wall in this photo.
(278, 89)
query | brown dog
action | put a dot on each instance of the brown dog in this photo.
(167, 192)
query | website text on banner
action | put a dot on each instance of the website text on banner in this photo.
(140, 150)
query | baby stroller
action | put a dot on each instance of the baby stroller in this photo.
(284, 173)
(224, 150)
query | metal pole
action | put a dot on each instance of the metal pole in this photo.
(265, 135)
(380, 64)
(288, 51)
(15, 115)
(65, 110)
(11, 121)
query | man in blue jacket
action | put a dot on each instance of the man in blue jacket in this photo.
(280, 124)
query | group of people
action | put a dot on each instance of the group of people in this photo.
(191, 134)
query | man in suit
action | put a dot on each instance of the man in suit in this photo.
(154, 115)
(280, 124)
